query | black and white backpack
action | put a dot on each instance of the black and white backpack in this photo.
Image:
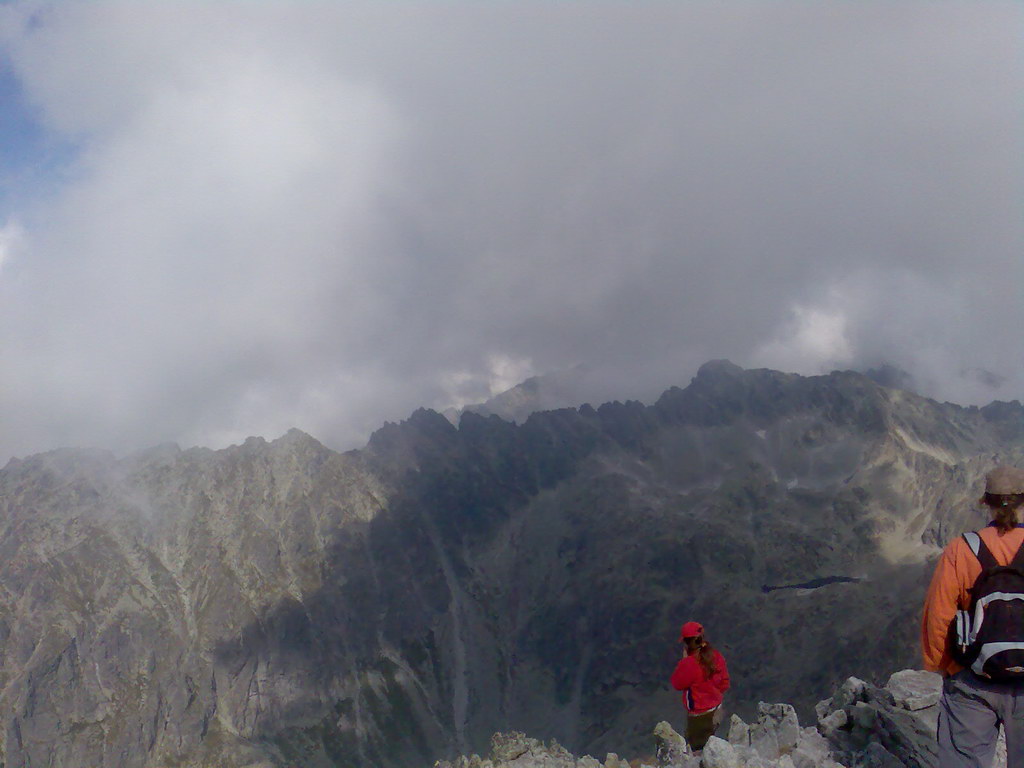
(989, 636)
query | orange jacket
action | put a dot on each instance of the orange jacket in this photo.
(955, 574)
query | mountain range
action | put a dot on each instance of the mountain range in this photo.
(281, 604)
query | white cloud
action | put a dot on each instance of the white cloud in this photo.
(945, 334)
(813, 341)
(469, 386)
(12, 239)
(506, 372)
(213, 226)
(326, 215)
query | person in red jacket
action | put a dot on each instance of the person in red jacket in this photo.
(703, 678)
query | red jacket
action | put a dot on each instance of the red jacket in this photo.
(700, 694)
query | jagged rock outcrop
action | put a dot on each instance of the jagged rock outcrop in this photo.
(889, 726)
(278, 603)
(859, 726)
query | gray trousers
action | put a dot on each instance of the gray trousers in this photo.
(970, 713)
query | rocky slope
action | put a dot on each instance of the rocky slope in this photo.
(859, 726)
(281, 604)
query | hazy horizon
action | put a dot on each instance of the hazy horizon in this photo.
(582, 384)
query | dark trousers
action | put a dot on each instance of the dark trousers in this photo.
(970, 713)
(700, 728)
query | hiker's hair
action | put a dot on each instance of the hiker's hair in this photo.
(705, 654)
(1005, 507)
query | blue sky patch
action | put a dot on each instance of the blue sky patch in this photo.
(30, 156)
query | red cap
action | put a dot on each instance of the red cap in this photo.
(691, 629)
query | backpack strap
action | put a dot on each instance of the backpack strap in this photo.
(973, 541)
(981, 551)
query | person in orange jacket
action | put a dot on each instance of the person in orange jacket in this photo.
(703, 678)
(973, 706)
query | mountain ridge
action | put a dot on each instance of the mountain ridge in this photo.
(279, 602)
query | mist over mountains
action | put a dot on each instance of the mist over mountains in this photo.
(222, 219)
(278, 603)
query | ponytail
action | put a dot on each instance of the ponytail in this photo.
(1005, 507)
(705, 653)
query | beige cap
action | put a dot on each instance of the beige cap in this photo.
(1004, 480)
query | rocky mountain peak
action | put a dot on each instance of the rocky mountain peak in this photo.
(716, 370)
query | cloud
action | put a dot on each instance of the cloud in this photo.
(11, 238)
(952, 336)
(813, 341)
(326, 215)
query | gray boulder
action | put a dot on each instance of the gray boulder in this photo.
(776, 731)
(670, 748)
(719, 753)
(509, 746)
(812, 749)
(877, 756)
(782, 719)
(914, 689)
(832, 722)
(739, 732)
(764, 741)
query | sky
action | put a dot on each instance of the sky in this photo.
(223, 219)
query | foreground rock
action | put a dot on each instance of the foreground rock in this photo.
(860, 726)
(890, 726)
